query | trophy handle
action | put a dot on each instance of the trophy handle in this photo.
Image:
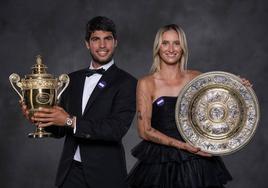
(15, 78)
(63, 79)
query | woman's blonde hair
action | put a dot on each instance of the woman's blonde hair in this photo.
(157, 42)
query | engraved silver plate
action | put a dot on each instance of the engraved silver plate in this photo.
(217, 113)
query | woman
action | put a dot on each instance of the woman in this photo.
(164, 159)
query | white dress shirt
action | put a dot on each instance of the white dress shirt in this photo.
(89, 85)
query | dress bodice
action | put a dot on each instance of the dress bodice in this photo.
(163, 116)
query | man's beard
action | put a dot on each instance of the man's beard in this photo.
(96, 60)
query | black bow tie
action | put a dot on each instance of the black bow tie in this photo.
(90, 72)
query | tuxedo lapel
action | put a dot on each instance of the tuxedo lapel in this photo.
(78, 90)
(101, 86)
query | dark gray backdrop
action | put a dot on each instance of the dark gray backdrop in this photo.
(226, 35)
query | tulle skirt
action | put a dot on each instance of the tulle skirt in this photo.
(161, 166)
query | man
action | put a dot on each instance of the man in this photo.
(96, 111)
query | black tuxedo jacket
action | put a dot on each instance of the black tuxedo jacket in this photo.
(99, 131)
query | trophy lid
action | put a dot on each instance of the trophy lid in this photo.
(39, 69)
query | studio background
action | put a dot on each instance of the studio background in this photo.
(226, 35)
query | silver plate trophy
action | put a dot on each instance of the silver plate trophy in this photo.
(39, 89)
(217, 113)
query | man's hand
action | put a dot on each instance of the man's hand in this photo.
(25, 111)
(50, 116)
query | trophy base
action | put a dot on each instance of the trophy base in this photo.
(39, 133)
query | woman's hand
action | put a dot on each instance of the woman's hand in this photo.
(246, 82)
(191, 149)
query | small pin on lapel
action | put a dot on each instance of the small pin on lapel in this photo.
(102, 84)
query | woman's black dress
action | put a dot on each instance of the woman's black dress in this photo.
(161, 166)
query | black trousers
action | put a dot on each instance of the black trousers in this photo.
(76, 177)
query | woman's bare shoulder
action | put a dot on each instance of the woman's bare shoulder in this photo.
(146, 84)
(192, 73)
(146, 80)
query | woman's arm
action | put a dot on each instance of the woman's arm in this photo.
(145, 130)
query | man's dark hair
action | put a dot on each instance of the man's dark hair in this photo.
(100, 23)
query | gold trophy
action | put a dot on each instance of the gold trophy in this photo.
(39, 89)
